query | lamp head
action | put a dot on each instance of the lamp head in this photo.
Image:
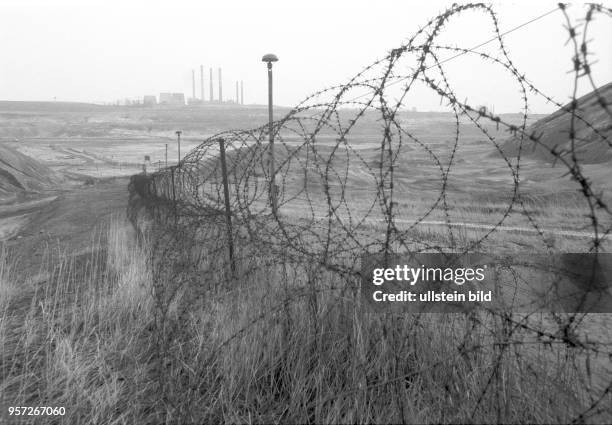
(269, 58)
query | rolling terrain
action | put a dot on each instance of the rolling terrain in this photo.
(592, 141)
(113, 321)
(21, 174)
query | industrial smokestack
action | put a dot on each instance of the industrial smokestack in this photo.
(202, 81)
(241, 93)
(210, 95)
(237, 94)
(193, 84)
(220, 87)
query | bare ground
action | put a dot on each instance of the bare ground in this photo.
(69, 220)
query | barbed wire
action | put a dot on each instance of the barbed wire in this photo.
(355, 175)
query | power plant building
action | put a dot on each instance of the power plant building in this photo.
(175, 99)
(149, 101)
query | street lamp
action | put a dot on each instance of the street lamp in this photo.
(269, 58)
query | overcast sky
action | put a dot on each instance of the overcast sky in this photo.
(101, 51)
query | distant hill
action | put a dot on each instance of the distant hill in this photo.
(39, 106)
(20, 173)
(591, 147)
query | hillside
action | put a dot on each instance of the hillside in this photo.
(46, 107)
(20, 173)
(592, 148)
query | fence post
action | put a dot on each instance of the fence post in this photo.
(228, 212)
(174, 197)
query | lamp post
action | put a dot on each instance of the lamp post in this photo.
(178, 140)
(269, 59)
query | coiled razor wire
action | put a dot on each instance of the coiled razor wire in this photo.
(348, 163)
(335, 199)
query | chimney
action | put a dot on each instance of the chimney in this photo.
(241, 93)
(202, 81)
(220, 87)
(193, 84)
(237, 97)
(210, 94)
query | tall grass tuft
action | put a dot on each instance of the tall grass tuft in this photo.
(8, 284)
(82, 341)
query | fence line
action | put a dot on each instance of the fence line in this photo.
(343, 191)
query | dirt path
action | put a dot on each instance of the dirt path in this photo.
(502, 228)
(556, 232)
(69, 221)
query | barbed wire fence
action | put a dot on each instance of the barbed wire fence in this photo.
(343, 190)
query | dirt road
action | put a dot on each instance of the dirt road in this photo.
(68, 222)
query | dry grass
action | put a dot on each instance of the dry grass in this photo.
(80, 341)
(8, 283)
(106, 338)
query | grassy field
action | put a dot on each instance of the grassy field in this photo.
(111, 338)
(122, 326)
(115, 339)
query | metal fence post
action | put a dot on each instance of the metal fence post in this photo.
(174, 198)
(228, 212)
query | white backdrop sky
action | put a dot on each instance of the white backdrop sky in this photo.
(100, 51)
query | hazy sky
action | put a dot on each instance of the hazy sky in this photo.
(100, 51)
